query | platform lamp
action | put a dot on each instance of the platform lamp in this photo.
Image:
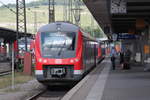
(140, 23)
(131, 31)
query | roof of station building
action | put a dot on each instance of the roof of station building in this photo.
(120, 22)
(9, 35)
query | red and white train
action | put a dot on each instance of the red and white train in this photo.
(64, 53)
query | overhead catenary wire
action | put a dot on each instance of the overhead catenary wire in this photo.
(8, 7)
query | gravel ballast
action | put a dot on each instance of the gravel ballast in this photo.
(21, 91)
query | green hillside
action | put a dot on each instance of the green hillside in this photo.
(40, 3)
(8, 19)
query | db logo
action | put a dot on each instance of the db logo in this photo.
(58, 61)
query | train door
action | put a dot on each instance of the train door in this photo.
(95, 54)
(84, 55)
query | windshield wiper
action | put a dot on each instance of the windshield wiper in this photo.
(51, 45)
(61, 48)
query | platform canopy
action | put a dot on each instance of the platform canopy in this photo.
(100, 11)
(123, 15)
(9, 35)
(137, 16)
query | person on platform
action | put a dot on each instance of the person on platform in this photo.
(121, 59)
(113, 61)
(127, 58)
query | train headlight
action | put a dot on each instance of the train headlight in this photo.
(76, 59)
(72, 61)
(40, 60)
(45, 61)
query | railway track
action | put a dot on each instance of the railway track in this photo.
(5, 73)
(37, 95)
(55, 94)
(50, 94)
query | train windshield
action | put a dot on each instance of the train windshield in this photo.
(56, 44)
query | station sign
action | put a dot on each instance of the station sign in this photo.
(114, 37)
(127, 36)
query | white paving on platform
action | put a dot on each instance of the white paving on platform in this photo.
(97, 91)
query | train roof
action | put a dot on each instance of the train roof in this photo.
(63, 26)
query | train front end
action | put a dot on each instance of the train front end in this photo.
(58, 57)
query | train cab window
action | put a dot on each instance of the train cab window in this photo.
(57, 42)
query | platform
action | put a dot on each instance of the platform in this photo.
(103, 83)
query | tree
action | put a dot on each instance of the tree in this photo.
(97, 32)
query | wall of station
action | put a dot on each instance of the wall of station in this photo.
(140, 47)
(146, 45)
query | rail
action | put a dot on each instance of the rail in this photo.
(37, 95)
(5, 73)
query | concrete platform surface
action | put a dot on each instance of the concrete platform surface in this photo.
(103, 83)
(131, 84)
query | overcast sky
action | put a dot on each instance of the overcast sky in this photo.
(13, 1)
